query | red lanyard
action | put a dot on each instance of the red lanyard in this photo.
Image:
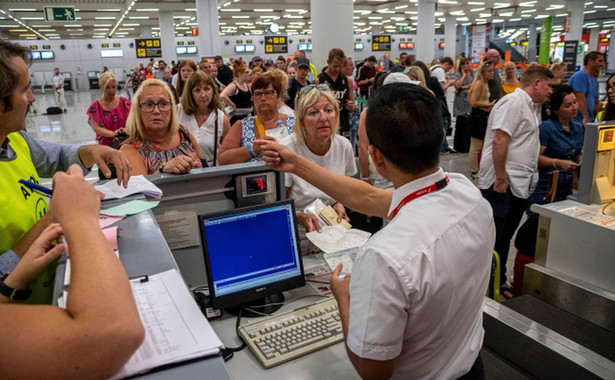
(441, 184)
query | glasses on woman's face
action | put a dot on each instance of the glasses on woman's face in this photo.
(320, 87)
(163, 106)
(265, 94)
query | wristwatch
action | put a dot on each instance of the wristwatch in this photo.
(13, 294)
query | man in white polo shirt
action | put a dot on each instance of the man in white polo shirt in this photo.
(58, 89)
(509, 166)
(412, 308)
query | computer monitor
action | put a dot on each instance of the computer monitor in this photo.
(251, 256)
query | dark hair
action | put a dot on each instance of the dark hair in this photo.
(557, 98)
(410, 59)
(371, 58)
(336, 53)
(402, 124)
(10, 77)
(423, 67)
(448, 60)
(263, 81)
(609, 110)
(180, 82)
(591, 55)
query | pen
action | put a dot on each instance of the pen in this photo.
(35, 186)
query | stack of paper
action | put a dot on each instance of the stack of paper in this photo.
(336, 238)
(136, 185)
(176, 330)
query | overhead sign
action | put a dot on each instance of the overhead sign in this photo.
(60, 14)
(276, 44)
(381, 42)
(148, 48)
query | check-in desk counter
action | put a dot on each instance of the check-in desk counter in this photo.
(143, 251)
(575, 261)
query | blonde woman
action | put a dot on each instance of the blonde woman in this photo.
(200, 111)
(237, 95)
(157, 142)
(283, 78)
(510, 82)
(315, 137)
(481, 106)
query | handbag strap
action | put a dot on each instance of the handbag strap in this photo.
(552, 189)
(215, 138)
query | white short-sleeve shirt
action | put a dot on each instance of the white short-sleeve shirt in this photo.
(339, 159)
(439, 73)
(518, 116)
(205, 133)
(418, 285)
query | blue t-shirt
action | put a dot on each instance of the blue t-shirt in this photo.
(581, 81)
(560, 144)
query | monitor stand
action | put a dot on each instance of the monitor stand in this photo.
(267, 305)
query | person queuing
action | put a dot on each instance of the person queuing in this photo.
(237, 95)
(157, 143)
(225, 74)
(341, 87)
(238, 146)
(479, 98)
(186, 68)
(508, 171)
(585, 84)
(107, 115)
(200, 111)
(299, 81)
(418, 265)
(315, 138)
(495, 84)
(510, 82)
(608, 113)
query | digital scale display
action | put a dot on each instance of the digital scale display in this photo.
(256, 184)
(606, 138)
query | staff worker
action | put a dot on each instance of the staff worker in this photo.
(415, 310)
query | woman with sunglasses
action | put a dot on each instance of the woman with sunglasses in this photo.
(238, 145)
(316, 139)
(157, 143)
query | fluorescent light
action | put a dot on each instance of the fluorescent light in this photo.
(23, 9)
(73, 26)
(110, 10)
(230, 10)
(139, 17)
(147, 10)
(241, 17)
(538, 17)
(477, 10)
(104, 18)
(41, 26)
(263, 10)
(33, 18)
(476, 3)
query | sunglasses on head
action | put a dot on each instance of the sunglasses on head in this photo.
(320, 87)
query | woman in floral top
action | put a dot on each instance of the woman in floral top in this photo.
(107, 115)
(158, 144)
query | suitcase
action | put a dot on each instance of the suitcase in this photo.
(461, 141)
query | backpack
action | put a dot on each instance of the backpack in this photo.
(54, 110)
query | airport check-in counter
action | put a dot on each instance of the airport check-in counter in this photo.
(564, 324)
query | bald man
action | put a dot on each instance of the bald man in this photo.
(495, 84)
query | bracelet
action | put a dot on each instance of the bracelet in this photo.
(13, 294)
(364, 178)
(250, 151)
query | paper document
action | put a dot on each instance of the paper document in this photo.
(130, 208)
(136, 185)
(107, 220)
(337, 238)
(345, 257)
(176, 330)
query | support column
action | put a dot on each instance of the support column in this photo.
(331, 28)
(146, 31)
(450, 37)
(208, 40)
(575, 27)
(545, 41)
(167, 36)
(531, 39)
(593, 39)
(425, 31)
(610, 59)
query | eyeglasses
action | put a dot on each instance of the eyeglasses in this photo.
(320, 87)
(265, 94)
(163, 106)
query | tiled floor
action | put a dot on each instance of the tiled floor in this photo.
(72, 127)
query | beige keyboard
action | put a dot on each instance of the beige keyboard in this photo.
(283, 337)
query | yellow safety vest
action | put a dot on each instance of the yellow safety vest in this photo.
(21, 208)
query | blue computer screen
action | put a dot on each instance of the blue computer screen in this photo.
(252, 248)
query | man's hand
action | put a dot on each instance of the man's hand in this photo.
(42, 252)
(341, 212)
(178, 165)
(340, 287)
(277, 156)
(309, 221)
(74, 199)
(501, 184)
(102, 155)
